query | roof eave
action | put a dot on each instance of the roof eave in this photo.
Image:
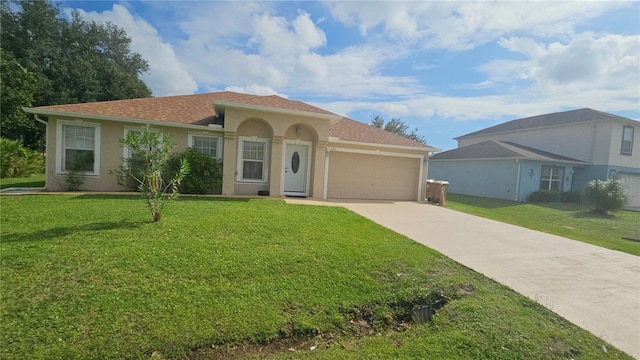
(427, 148)
(119, 119)
(331, 117)
(610, 117)
(516, 158)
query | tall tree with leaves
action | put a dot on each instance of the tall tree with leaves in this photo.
(71, 60)
(16, 90)
(397, 126)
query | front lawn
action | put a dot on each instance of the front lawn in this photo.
(565, 219)
(89, 277)
(23, 182)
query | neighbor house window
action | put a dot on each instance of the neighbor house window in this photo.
(78, 147)
(207, 144)
(551, 178)
(627, 140)
(253, 159)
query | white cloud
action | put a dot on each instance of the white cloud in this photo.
(167, 75)
(586, 62)
(255, 89)
(460, 25)
(285, 54)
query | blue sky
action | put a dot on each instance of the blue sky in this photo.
(446, 68)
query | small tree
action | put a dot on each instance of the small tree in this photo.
(605, 196)
(151, 149)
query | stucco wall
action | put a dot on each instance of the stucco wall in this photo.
(110, 153)
(276, 128)
(486, 178)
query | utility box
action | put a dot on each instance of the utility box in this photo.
(436, 190)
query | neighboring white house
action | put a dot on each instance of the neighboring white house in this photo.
(560, 151)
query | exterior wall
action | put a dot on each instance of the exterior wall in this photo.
(495, 178)
(615, 157)
(276, 127)
(110, 153)
(598, 143)
(583, 175)
(485, 178)
(574, 141)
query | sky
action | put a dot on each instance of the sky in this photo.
(447, 68)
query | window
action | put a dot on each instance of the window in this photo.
(627, 140)
(253, 159)
(126, 152)
(206, 144)
(551, 178)
(78, 147)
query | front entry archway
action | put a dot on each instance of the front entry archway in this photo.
(296, 167)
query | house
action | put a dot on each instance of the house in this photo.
(267, 144)
(561, 151)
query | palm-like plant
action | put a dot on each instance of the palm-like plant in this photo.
(605, 196)
(150, 150)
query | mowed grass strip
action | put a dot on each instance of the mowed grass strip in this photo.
(565, 219)
(34, 181)
(90, 277)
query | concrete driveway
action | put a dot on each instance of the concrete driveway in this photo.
(593, 287)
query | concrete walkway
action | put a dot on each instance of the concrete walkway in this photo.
(593, 287)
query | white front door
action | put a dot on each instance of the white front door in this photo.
(295, 169)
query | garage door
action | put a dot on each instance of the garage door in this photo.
(631, 185)
(361, 176)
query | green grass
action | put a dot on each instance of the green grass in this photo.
(565, 219)
(89, 277)
(23, 182)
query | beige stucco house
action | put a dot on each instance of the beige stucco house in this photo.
(266, 144)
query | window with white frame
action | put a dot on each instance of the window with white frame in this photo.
(627, 140)
(78, 147)
(207, 144)
(551, 178)
(253, 159)
(126, 152)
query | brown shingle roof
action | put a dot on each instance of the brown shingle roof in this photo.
(199, 109)
(351, 130)
(184, 109)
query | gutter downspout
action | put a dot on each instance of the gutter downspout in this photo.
(420, 179)
(325, 186)
(518, 180)
(46, 146)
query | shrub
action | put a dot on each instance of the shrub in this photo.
(18, 161)
(571, 197)
(205, 175)
(153, 149)
(543, 196)
(129, 172)
(76, 171)
(605, 196)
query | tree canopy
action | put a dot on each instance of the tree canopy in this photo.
(398, 126)
(48, 59)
